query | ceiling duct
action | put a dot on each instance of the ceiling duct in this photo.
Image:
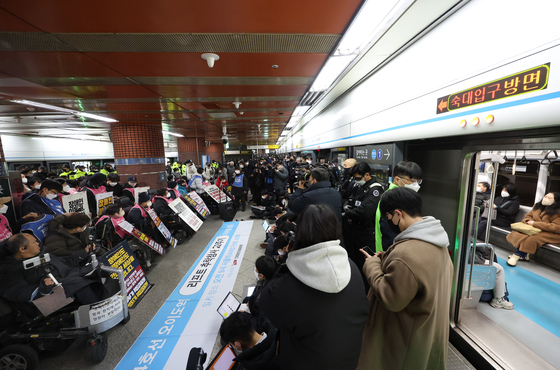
(311, 97)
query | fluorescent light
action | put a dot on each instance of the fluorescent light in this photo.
(300, 110)
(172, 133)
(65, 110)
(330, 72)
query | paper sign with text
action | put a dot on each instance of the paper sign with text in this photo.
(200, 205)
(76, 202)
(216, 194)
(103, 200)
(162, 228)
(186, 214)
(126, 226)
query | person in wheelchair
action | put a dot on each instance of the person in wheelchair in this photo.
(161, 201)
(141, 220)
(68, 237)
(25, 285)
(171, 220)
(107, 228)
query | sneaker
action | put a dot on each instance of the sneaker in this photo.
(526, 258)
(264, 245)
(501, 303)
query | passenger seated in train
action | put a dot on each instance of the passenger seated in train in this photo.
(505, 206)
(25, 285)
(113, 184)
(318, 276)
(407, 313)
(44, 201)
(544, 216)
(107, 228)
(68, 237)
(93, 186)
(482, 194)
(482, 257)
(129, 188)
(255, 350)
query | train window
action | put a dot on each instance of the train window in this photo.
(525, 179)
(554, 177)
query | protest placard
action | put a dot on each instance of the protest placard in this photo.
(186, 214)
(76, 202)
(137, 285)
(200, 205)
(126, 226)
(216, 194)
(162, 228)
(103, 200)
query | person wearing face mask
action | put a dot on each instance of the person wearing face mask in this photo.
(44, 201)
(280, 179)
(544, 216)
(230, 171)
(410, 290)
(405, 174)
(93, 186)
(358, 224)
(256, 350)
(182, 187)
(268, 202)
(140, 219)
(265, 269)
(172, 190)
(505, 210)
(195, 182)
(113, 184)
(239, 189)
(66, 172)
(482, 194)
(34, 184)
(130, 188)
(208, 173)
(319, 191)
(348, 185)
(161, 201)
(68, 237)
(107, 227)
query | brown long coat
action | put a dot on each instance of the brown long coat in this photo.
(408, 323)
(550, 226)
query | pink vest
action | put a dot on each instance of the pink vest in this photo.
(144, 214)
(5, 230)
(115, 222)
(168, 200)
(99, 190)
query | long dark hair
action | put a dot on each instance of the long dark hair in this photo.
(552, 209)
(317, 223)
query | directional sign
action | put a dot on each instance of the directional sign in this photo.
(375, 154)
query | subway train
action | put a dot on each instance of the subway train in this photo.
(469, 90)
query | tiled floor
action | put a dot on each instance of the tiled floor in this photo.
(165, 276)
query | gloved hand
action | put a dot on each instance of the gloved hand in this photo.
(46, 286)
(346, 207)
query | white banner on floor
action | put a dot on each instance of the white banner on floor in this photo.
(189, 317)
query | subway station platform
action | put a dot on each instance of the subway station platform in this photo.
(166, 274)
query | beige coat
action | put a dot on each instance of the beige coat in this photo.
(408, 324)
(550, 226)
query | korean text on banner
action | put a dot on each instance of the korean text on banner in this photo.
(103, 200)
(137, 191)
(137, 285)
(76, 202)
(162, 228)
(188, 318)
(217, 194)
(200, 205)
(186, 214)
(126, 226)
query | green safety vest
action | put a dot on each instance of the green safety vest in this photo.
(104, 171)
(215, 165)
(184, 170)
(378, 235)
(67, 174)
(77, 175)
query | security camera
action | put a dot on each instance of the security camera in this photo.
(225, 139)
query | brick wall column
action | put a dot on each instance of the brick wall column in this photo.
(187, 149)
(215, 151)
(139, 151)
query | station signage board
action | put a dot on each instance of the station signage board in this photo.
(375, 154)
(530, 80)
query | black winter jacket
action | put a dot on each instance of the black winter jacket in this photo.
(506, 209)
(263, 355)
(318, 193)
(365, 198)
(34, 203)
(61, 243)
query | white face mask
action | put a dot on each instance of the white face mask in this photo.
(240, 166)
(51, 196)
(66, 188)
(149, 204)
(4, 209)
(38, 186)
(264, 197)
(113, 183)
(237, 172)
(168, 195)
(545, 202)
(478, 190)
(504, 194)
(34, 172)
(414, 186)
(24, 180)
(121, 213)
(256, 273)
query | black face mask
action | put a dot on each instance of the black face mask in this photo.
(394, 228)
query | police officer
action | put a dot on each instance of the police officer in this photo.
(66, 172)
(358, 215)
(78, 173)
(348, 185)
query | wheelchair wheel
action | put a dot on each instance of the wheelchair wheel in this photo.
(97, 348)
(18, 356)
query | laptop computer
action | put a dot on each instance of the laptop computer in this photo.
(224, 360)
(229, 305)
(265, 226)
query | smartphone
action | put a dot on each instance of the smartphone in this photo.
(368, 251)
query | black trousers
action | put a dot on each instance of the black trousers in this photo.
(240, 198)
(355, 238)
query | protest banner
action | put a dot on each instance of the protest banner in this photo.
(103, 200)
(186, 214)
(200, 205)
(126, 226)
(216, 194)
(137, 191)
(162, 228)
(137, 285)
(76, 202)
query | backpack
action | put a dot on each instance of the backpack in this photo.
(488, 295)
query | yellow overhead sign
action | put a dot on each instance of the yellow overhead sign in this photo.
(273, 146)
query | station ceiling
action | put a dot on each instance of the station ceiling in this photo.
(141, 62)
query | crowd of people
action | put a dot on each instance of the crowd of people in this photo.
(353, 274)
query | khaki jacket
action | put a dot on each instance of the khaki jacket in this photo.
(550, 226)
